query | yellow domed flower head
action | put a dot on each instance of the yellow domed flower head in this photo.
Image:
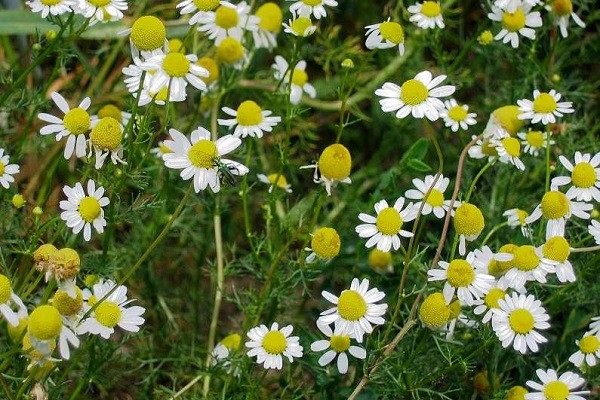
(507, 118)
(385, 35)
(431, 195)
(249, 120)
(554, 387)
(336, 345)
(299, 26)
(489, 302)
(380, 261)
(516, 393)
(106, 138)
(83, 210)
(468, 223)
(176, 46)
(64, 266)
(555, 256)
(101, 10)
(8, 301)
(563, 10)
(42, 254)
(227, 21)
(297, 80)
(584, 177)
(148, 34)
(589, 350)
(18, 201)
(434, 312)
(45, 327)
(269, 25)
(212, 67)
(222, 350)
(457, 116)
(483, 148)
(334, 165)
(533, 141)
(325, 244)
(111, 110)
(67, 305)
(232, 52)
(486, 37)
(557, 209)
(269, 345)
(275, 180)
(508, 149)
(481, 382)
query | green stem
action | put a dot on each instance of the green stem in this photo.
(479, 174)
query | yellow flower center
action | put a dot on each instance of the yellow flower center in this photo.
(521, 321)
(339, 343)
(589, 344)
(206, 5)
(249, 113)
(326, 243)
(492, 297)
(270, 17)
(392, 32)
(556, 248)
(544, 104)
(226, 17)
(584, 175)
(110, 110)
(92, 300)
(555, 205)
(522, 214)
(230, 50)
(212, 67)
(108, 313)
(203, 153)
(50, 2)
(516, 393)
(16, 332)
(299, 77)
(379, 259)
(513, 22)
(98, 3)
(413, 92)
(556, 390)
(499, 267)
(43, 253)
(512, 146)
(176, 65)
(457, 113)
(455, 309)
(335, 162)
(148, 33)
(535, 138)
(431, 9)
(89, 208)
(5, 289)
(488, 149)
(107, 134)
(351, 305)
(434, 311)
(435, 198)
(312, 3)
(281, 181)
(525, 258)
(2, 168)
(232, 342)
(45, 322)
(162, 94)
(77, 121)
(176, 46)
(389, 221)
(65, 263)
(468, 220)
(486, 37)
(65, 304)
(562, 7)
(32, 352)
(460, 273)
(300, 25)
(508, 118)
(274, 342)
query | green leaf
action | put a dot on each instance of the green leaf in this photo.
(417, 151)
(418, 165)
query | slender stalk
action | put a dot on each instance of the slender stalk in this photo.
(585, 249)
(187, 387)
(479, 175)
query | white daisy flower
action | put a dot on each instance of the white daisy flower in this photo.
(544, 107)
(200, 157)
(269, 25)
(527, 266)
(268, 345)
(355, 309)
(173, 71)
(516, 218)
(9, 301)
(333, 166)
(101, 10)
(418, 96)
(435, 201)
(227, 20)
(249, 120)
(135, 72)
(595, 325)
(52, 7)
(563, 9)
(298, 81)
(299, 26)
(426, 15)
(70, 308)
(589, 350)
(489, 302)
(45, 327)
(557, 208)
(594, 230)
(511, 5)
(457, 115)
(555, 254)
(111, 312)
(338, 344)
(466, 278)
(315, 7)
(515, 23)
(385, 35)
(456, 315)
(585, 177)
(517, 320)
(74, 125)
(483, 149)
(534, 141)
(555, 387)
(81, 210)
(7, 170)
(222, 351)
(275, 180)
(196, 7)
(106, 138)
(385, 229)
(325, 245)
(488, 260)
(508, 149)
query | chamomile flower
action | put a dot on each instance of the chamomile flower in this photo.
(385, 229)
(222, 351)
(556, 387)
(511, 5)
(338, 344)
(517, 321)
(355, 309)
(325, 245)
(70, 308)
(516, 218)
(101, 10)
(197, 157)
(555, 254)
(111, 312)
(385, 35)
(434, 202)
(557, 208)
(544, 107)
(521, 21)
(298, 79)
(9, 301)
(527, 266)
(231, 52)
(508, 149)
(275, 180)
(534, 141)
(489, 261)
(64, 265)
(483, 149)
(7, 170)
(173, 71)
(106, 138)
(51, 7)
(516, 393)
(75, 123)
(45, 327)
(196, 7)
(81, 211)
(270, 344)
(594, 230)
(228, 20)
(585, 177)
(464, 277)
(380, 261)
(110, 110)
(249, 120)
(457, 116)
(148, 37)
(269, 25)
(314, 7)
(135, 73)
(299, 26)
(468, 223)
(434, 311)
(333, 166)
(595, 325)
(563, 9)
(418, 96)
(589, 350)
(489, 302)
(426, 15)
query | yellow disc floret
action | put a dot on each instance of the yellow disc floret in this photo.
(379, 260)
(513, 22)
(77, 121)
(5, 289)
(176, 46)
(508, 118)
(389, 221)
(413, 92)
(326, 243)
(521, 321)
(434, 312)
(525, 258)
(535, 138)
(148, 33)
(498, 268)
(206, 5)
(299, 77)
(110, 110)
(544, 103)
(108, 313)
(65, 263)
(249, 113)
(492, 297)
(486, 37)
(300, 25)
(107, 134)
(584, 175)
(468, 220)
(232, 342)
(312, 3)
(270, 17)
(435, 198)
(42, 254)
(226, 17)
(50, 2)
(562, 8)
(230, 51)
(481, 382)
(212, 67)
(45, 322)
(516, 393)
(589, 344)
(431, 9)
(89, 208)
(556, 390)
(555, 205)
(99, 3)
(274, 342)
(460, 273)
(457, 113)
(351, 305)
(278, 180)
(556, 248)
(335, 162)
(339, 343)
(512, 146)
(65, 304)
(203, 153)
(392, 32)
(176, 65)
(16, 332)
